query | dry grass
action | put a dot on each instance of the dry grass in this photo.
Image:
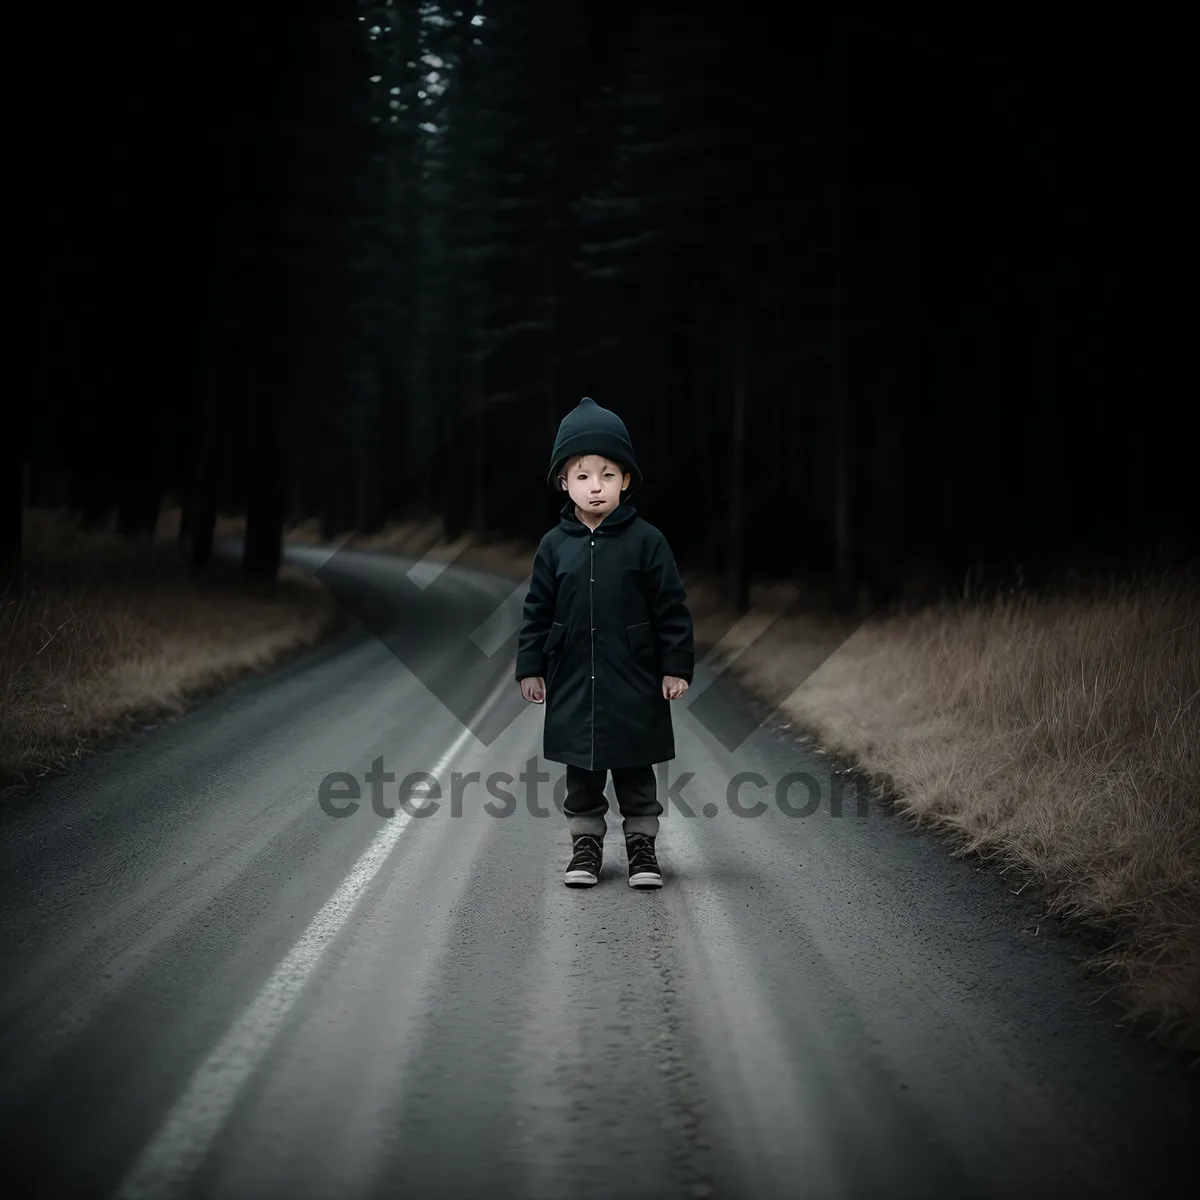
(100, 635)
(1059, 738)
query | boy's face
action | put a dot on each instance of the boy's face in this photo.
(595, 484)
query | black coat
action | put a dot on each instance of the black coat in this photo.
(605, 619)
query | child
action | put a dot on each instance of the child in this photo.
(606, 642)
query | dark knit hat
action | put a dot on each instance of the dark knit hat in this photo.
(590, 429)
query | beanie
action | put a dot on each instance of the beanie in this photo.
(590, 429)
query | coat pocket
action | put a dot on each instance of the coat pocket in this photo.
(554, 637)
(551, 648)
(641, 640)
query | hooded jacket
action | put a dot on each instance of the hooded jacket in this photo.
(605, 619)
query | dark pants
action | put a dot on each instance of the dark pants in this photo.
(637, 795)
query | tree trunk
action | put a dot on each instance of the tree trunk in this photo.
(140, 502)
(708, 430)
(738, 580)
(551, 318)
(91, 486)
(12, 477)
(203, 524)
(477, 406)
(842, 534)
(263, 547)
(361, 434)
(224, 298)
(199, 517)
(889, 489)
(297, 506)
(330, 495)
(479, 507)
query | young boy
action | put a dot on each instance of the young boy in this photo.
(606, 643)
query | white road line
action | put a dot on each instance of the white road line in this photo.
(178, 1148)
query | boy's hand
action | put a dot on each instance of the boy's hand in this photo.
(673, 687)
(533, 688)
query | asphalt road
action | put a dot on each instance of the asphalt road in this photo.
(212, 988)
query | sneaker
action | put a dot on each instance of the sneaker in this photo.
(584, 868)
(643, 865)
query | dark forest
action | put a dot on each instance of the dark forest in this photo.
(893, 290)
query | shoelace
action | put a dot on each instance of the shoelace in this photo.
(587, 850)
(641, 853)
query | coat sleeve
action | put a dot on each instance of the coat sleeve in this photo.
(672, 618)
(540, 602)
